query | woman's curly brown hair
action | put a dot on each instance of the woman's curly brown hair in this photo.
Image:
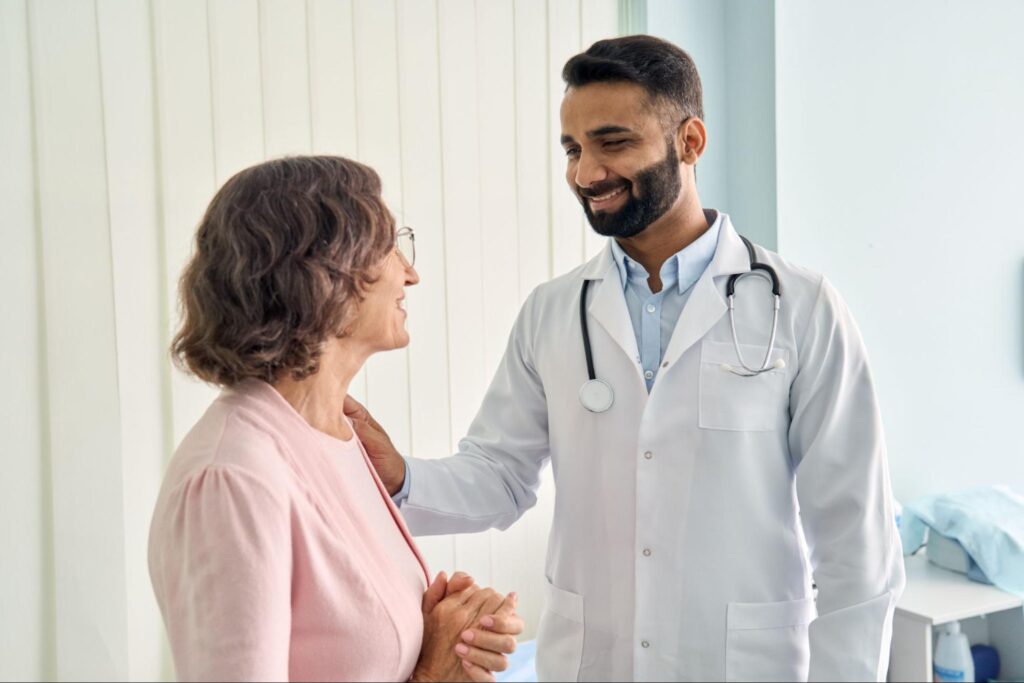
(282, 259)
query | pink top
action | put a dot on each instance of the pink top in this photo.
(276, 553)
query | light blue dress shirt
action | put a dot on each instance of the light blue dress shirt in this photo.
(654, 316)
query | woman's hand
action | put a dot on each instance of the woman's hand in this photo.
(446, 616)
(485, 645)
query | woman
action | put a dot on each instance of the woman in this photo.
(275, 552)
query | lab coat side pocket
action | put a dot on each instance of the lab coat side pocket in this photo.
(768, 641)
(560, 636)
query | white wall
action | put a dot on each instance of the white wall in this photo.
(118, 121)
(899, 173)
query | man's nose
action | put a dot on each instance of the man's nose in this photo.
(589, 171)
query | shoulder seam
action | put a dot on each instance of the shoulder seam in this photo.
(810, 314)
(233, 469)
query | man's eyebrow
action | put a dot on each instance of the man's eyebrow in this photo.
(598, 132)
(608, 130)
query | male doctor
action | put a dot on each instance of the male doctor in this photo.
(694, 515)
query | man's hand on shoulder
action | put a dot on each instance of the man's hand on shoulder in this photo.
(388, 462)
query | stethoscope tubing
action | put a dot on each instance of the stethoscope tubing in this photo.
(756, 268)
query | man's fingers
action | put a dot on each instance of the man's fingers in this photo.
(488, 640)
(354, 409)
(490, 661)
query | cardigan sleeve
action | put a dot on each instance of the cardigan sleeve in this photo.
(220, 560)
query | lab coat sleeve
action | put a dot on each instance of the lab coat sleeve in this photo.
(494, 477)
(842, 483)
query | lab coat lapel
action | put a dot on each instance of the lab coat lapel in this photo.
(608, 302)
(706, 305)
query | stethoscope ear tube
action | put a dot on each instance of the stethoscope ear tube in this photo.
(596, 395)
(586, 331)
(730, 287)
(767, 272)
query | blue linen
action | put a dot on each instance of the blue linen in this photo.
(522, 664)
(988, 522)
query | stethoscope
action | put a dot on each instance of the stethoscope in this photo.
(597, 396)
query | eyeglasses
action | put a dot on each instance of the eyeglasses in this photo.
(405, 242)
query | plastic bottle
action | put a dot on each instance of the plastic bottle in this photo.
(952, 659)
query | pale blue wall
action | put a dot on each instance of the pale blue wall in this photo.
(732, 43)
(885, 141)
(899, 176)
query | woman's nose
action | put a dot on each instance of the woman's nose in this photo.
(411, 276)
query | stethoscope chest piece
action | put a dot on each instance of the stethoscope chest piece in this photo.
(596, 395)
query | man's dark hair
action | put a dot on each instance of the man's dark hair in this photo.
(665, 72)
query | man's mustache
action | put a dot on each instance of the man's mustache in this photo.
(602, 188)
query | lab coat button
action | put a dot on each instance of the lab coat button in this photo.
(647, 552)
(644, 643)
(648, 455)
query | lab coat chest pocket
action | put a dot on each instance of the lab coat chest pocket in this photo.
(560, 636)
(768, 641)
(743, 404)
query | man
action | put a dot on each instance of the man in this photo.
(693, 513)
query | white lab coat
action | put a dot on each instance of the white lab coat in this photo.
(689, 523)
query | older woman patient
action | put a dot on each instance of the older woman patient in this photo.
(275, 552)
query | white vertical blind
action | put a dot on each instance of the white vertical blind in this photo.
(461, 145)
(118, 122)
(81, 341)
(423, 204)
(131, 159)
(26, 525)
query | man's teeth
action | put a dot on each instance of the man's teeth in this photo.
(606, 197)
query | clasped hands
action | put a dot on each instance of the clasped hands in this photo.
(468, 631)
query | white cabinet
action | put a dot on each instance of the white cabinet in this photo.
(936, 596)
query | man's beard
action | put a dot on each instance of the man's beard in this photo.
(658, 188)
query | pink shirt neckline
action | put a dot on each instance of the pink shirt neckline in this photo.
(268, 391)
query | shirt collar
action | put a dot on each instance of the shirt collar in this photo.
(683, 268)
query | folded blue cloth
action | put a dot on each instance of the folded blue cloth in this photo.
(522, 664)
(988, 522)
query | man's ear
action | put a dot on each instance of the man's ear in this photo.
(691, 140)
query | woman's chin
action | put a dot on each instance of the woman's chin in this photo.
(399, 340)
